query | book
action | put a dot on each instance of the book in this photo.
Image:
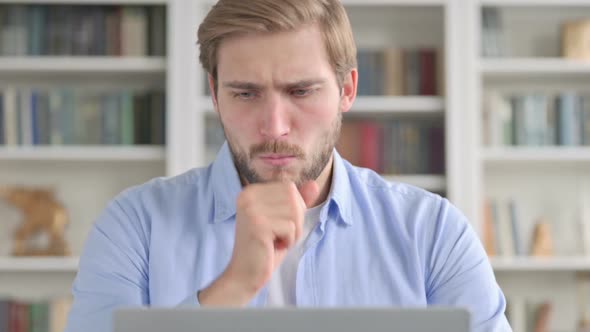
(134, 31)
(428, 72)
(568, 119)
(488, 234)
(515, 227)
(393, 63)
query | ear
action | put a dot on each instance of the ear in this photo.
(213, 92)
(349, 85)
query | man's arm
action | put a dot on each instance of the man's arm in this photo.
(459, 273)
(112, 271)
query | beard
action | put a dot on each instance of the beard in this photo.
(313, 164)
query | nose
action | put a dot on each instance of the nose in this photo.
(275, 118)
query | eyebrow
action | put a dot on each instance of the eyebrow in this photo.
(291, 85)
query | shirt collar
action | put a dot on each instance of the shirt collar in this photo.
(227, 187)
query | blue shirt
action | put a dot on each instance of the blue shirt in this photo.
(377, 244)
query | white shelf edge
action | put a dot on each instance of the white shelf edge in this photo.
(427, 182)
(540, 154)
(83, 153)
(387, 104)
(514, 66)
(39, 264)
(72, 64)
(534, 2)
(372, 105)
(523, 264)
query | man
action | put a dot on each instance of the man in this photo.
(280, 218)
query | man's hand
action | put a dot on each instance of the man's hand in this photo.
(269, 221)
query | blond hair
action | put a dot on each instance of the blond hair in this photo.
(229, 18)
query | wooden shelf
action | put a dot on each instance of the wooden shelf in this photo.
(428, 182)
(82, 64)
(540, 154)
(538, 66)
(524, 264)
(83, 153)
(374, 105)
(39, 264)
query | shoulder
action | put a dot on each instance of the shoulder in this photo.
(366, 182)
(163, 188)
(405, 206)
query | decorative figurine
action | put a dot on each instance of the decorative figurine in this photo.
(42, 213)
(542, 242)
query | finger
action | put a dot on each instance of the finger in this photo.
(283, 233)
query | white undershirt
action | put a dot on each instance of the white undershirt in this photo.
(281, 287)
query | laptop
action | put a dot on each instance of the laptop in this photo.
(291, 320)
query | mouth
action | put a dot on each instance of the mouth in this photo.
(277, 159)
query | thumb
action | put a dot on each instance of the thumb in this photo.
(310, 191)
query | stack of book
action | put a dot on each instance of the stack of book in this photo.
(394, 146)
(39, 316)
(82, 30)
(502, 229)
(537, 119)
(397, 72)
(81, 117)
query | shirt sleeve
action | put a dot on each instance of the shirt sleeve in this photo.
(112, 271)
(459, 273)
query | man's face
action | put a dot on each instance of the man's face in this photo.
(280, 104)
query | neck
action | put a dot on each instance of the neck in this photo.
(324, 182)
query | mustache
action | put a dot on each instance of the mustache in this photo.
(276, 147)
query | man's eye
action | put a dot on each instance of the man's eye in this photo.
(301, 92)
(244, 95)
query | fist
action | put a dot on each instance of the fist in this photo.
(269, 221)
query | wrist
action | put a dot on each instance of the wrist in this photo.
(226, 291)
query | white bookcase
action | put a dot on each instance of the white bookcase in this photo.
(545, 181)
(87, 177)
(84, 178)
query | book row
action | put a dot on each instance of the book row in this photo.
(81, 117)
(394, 146)
(537, 119)
(397, 72)
(82, 30)
(38, 316)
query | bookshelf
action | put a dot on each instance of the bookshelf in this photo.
(545, 180)
(83, 174)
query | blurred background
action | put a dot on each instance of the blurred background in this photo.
(485, 102)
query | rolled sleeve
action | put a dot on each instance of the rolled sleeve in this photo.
(460, 274)
(112, 271)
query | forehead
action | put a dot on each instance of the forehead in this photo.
(274, 57)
